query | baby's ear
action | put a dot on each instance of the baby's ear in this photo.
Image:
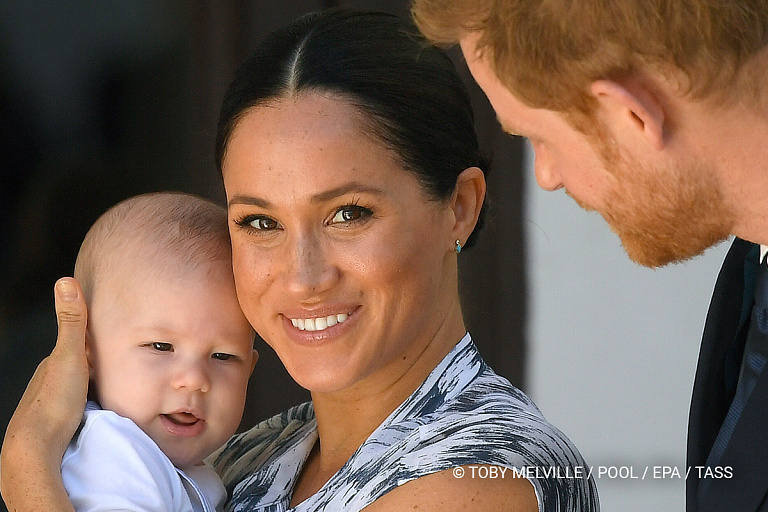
(90, 357)
(255, 359)
(88, 351)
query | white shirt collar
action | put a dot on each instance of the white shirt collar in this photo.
(763, 251)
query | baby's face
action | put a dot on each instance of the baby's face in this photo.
(174, 356)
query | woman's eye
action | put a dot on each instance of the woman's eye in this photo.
(262, 223)
(351, 213)
(222, 356)
(162, 347)
(257, 223)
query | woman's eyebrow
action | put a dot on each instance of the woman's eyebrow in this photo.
(250, 201)
(321, 197)
(353, 186)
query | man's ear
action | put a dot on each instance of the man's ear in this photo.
(631, 106)
(466, 203)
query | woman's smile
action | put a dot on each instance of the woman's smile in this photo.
(320, 323)
(317, 328)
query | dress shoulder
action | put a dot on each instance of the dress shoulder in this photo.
(264, 445)
(463, 414)
(493, 423)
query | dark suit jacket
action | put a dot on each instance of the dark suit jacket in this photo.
(722, 348)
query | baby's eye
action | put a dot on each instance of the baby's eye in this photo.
(161, 346)
(223, 357)
(351, 213)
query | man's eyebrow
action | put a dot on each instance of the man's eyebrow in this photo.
(504, 126)
(320, 197)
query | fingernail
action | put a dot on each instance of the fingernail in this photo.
(67, 290)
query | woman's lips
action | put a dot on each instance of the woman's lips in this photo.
(182, 424)
(319, 323)
(306, 327)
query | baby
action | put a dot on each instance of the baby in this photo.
(169, 352)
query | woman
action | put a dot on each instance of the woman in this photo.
(353, 181)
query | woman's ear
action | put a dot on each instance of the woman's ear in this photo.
(467, 202)
(631, 107)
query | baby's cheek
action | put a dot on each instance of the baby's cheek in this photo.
(233, 404)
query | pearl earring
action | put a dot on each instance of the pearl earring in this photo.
(458, 246)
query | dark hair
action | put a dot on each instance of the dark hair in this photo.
(408, 89)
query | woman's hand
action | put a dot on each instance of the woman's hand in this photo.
(48, 413)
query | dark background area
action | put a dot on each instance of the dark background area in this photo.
(100, 101)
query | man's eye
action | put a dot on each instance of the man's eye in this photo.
(162, 347)
(351, 213)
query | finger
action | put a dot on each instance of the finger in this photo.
(71, 316)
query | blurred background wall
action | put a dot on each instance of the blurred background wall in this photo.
(100, 101)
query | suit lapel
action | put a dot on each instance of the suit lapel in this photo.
(711, 399)
(747, 454)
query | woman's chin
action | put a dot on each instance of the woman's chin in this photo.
(319, 380)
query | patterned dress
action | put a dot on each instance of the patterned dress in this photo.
(463, 414)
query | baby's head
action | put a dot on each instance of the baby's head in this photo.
(168, 346)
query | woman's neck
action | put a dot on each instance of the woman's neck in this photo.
(347, 418)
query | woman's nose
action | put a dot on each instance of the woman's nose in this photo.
(192, 376)
(310, 270)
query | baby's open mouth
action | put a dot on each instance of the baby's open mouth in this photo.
(182, 418)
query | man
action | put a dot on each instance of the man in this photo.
(654, 114)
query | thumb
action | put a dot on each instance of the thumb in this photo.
(71, 315)
(52, 405)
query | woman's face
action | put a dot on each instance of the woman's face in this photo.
(342, 263)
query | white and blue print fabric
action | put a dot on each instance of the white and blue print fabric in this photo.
(463, 414)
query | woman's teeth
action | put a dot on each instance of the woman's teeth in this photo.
(318, 324)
